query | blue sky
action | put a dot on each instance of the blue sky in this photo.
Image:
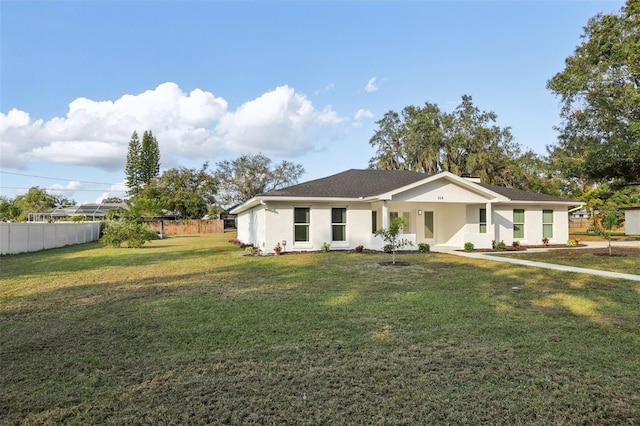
(298, 81)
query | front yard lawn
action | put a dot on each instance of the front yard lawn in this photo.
(624, 259)
(187, 330)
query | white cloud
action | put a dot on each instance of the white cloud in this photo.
(278, 122)
(372, 85)
(118, 190)
(65, 190)
(191, 125)
(360, 115)
(328, 88)
(18, 135)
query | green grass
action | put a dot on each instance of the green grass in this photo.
(625, 260)
(188, 331)
(582, 235)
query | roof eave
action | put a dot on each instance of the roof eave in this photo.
(538, 202)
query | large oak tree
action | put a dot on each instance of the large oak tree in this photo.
(250, 175)
(189, 192)
(465, 141)
(599, 137)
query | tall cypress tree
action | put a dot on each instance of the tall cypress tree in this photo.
(132, 169)
(149, 158)
(143, 162)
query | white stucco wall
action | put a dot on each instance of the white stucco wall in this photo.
(242, 224)
(451, 225)
(441, 191)
(503, 216)
(251, 226)
(279, 226)
(454, 224)
(472, 228)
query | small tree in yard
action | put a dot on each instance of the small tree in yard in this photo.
(391, 236)
(133, 233)
(609, 223)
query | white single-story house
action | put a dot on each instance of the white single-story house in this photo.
(444, 210)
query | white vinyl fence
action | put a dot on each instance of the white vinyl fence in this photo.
(32, 236)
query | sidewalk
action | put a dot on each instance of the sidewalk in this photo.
(516, 261)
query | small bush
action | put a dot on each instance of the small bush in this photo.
(501, 245)
(325, 248)
(424, 248)
(242, 245)
(468, 246)
(277, 249)
(134, 234)
(387, 248)
(545, 241)
(571, 243)
(359, 249)
(516, 244)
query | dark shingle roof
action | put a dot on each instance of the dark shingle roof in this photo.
(352, 184)
(520, 195)
(356, 183)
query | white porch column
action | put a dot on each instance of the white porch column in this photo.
(490, 229)
(385, 215)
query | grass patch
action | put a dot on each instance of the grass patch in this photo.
(187, 330)
(582, 235)
(625, 260)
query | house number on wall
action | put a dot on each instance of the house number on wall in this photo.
(440, 197)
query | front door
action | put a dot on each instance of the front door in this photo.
(429, 228)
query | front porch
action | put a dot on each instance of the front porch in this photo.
(444, 225)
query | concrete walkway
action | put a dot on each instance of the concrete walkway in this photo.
(515, 260)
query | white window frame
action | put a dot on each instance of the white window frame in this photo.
(482, 228)
(342, 224)
(522, 224)
(547, 224)
(307, 224)
(374, 221)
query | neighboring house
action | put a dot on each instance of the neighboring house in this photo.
(632, 220)
(91, 211)
(444, 210)
(579, 214)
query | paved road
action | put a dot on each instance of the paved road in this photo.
(590, 244)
